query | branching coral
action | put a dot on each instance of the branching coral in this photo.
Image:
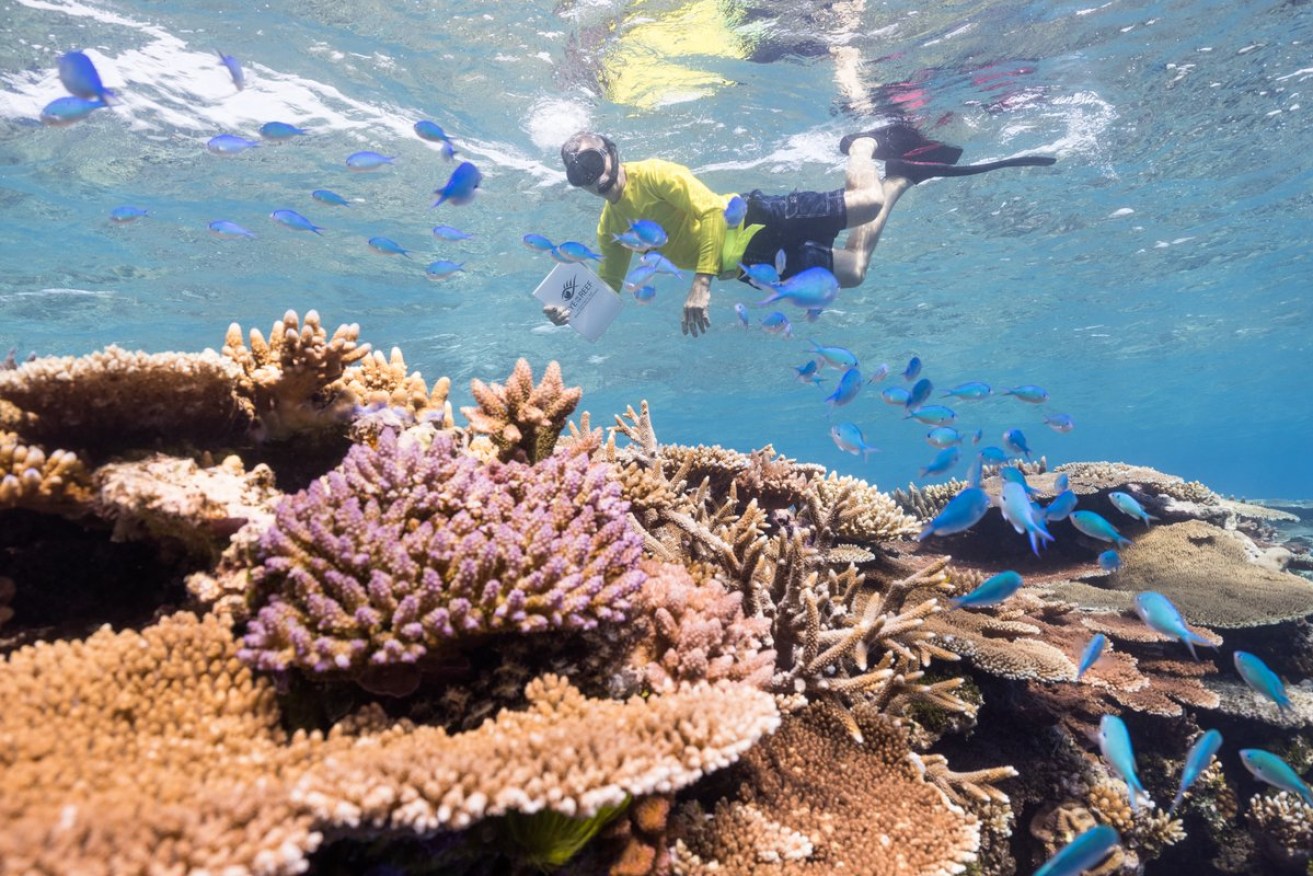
(523, 420)
(925, 502)
(1285, 823)
(29, 478)
(402, 550)
(379, 381)
(875, 516)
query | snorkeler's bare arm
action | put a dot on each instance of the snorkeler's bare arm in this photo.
(697, 305)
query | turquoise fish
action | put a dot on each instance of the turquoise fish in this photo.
(849, 385)
(1095, 525)
(1267, 767)
(848, 438)
(1115, 743)
(813, 288)
(1160, 615)
(1127, 504)
(993, 591)
(1093, 651)
(1061, 506)
(1262, 680)
(1082, 853)
(1196, 761)
(1018, 511)
(962, 512)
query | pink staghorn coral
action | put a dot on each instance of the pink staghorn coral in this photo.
(402, 549)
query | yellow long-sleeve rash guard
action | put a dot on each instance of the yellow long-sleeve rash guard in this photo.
(692, 215)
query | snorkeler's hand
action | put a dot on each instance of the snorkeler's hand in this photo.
(557, 314)
(696, 319)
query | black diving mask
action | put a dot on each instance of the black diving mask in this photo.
(587, 166)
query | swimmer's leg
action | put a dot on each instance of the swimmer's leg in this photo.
(851, 261)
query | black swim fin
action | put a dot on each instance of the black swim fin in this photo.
(920, 171)
(906, 142)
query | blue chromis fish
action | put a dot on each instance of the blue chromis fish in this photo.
(735, 211)
(807, 373)
(333, 199)
(1061, 423)
(447, 232)
(971, 391)
(460, 186)
(1095, 525)
(765, 277)
(229, 144)
(645, 294)
(80, 76)
(848, 438)
(913, 368)
(1062, 482)
(920, 392)
(1093, 651)
(1110, 561)
(630, 241)
(944, 460)
(661, 263)
(366, 160)
(1267, 767)
(280, 131)
(387, 246)
(66, 110)
(931, 415)
(977, 435)
(962, 512)
(777, 324)
(574, 251)
(1127, 504)
(1018, 511)
(1014, 441)
(1262, 680)
(1197, 760)
(294, 220)
(850, 383)
(226, 230)
(1082, 853)
(234, 70)
(1029, 393)
(993, 591)
(441, 269)
(650, 233)
(638, 277)
(1115, 743)
(991, 455)
(538, 243)
(432, 132)
(1061, 506)
(895, 395)
(1016, 476)
(943, 436)
(125, 214)
(810, 289)
(1161, 616)
(741, 311)
(836, 357)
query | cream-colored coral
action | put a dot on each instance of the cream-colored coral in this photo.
(875, 517)
(926, 501)
(382, 385)
(31, 478)
(1284, 817)
(1000, 647)
(523, 420)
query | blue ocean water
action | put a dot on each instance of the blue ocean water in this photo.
(1155, 281)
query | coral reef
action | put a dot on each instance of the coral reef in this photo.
(877, 516)
(31, 478)
(523, 420)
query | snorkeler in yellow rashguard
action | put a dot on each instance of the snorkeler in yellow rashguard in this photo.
(803, 225)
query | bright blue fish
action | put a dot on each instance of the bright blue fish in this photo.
(1016, 476)
(294, 220)
(1115, 743)
(1262, 680)
(920, 392)
(1082, 853)
(764, 277)
(226, 230)
(943, 436)
(387, 246)
(993, 591)
(574, 251)
(849, 385)
(631, 241)
(80, 77)
(969, 391)
(735, 211)
(836, 357)
(1018, 511)
(367, 160)
(880, 373)
(962, 512)
(662, 264)
(538, 243)
(461, 185)
(234, 70)
(441, 269)
(1014, 441)
(229, 144)
(430, 131)
(1093, 651)
(1161, 616)
(650, 233)
(807, 373)
(324, 196)
(913, 368)
(895, 395)
(280, 131)
(1196, 761)
(1267, 767)
(446, 232)
(1110, 561)
(123, 215)
(944, 460)
(1062, 482)
(1126, 503)
(741, 311)
(66, 110)
(777, 324)
(645, 294)
(977, 435)
(1029, 393)
(974, 472)
(813, 288)
(1060, 422)
(991, 455)
(1095, 525)
(848, 438)
(638, 277)
(932, 415)
(1061, 506)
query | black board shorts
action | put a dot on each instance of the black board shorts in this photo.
(803, 224)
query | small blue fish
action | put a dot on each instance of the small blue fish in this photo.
(80, 77)
(777, 324)
(1018, 511)
(538, 243)
(1016, 476)
(1029, 393)
(993, 591)
(461, 185)
(294, 220)
(735, 211)
(1061, 423)
(920, 392)
(1262, 680)
(387, 246)
(1110, 561)
(662, 264)
(807, 373)
(234, 70)
(1061, 506)
(972, 391)
(1126, 503)
(835, 357)
(895, 395)
(1267, 767)
(630, 241)
(765, 277)
(1161, 616)
(367, 160)
(977, 435)
(880, 373)
(944, 460)
(1062, 482)
(943, 436)
(1093, 651)
(229, 144)
(645, 294)
(430, 131)
(125, 214)
(813, 288)
(849, 385)
(848, 438)
(226, 230)
(280, 131)
(650, 233)
(913, 368)
(638, 277)
(573, 251)
(962, 512)
(991, 455)
(1014, 441)
(64, 111)
(1082, 853)
(324, 196)
(1115, 743)
(741, 311)
(1197, 760)
(1095, 525)
(932, 415)
(441, 269)
(446, 232)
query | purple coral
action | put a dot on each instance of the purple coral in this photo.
(402, 549)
